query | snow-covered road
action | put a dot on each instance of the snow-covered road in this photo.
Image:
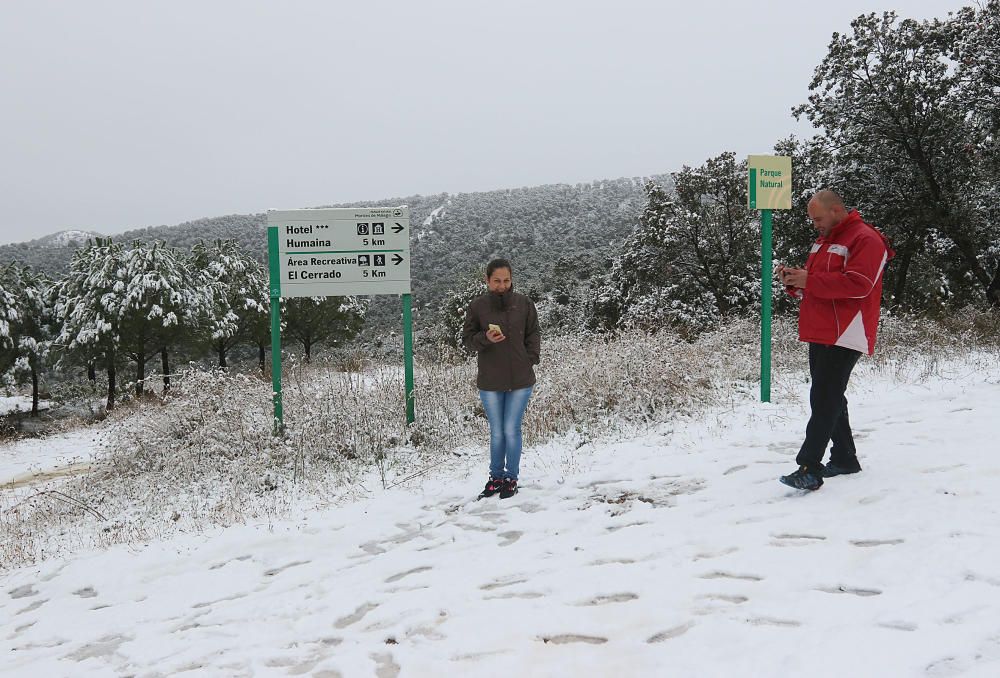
(32, 460)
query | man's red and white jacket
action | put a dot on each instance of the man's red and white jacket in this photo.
(843, 292)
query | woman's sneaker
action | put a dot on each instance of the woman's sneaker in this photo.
(493, 485)
(509, 488)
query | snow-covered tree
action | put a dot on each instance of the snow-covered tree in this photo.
(25, 327)
(129, 302)
(694, 257)
(242, 303)
(166, 304)
(638, 270)
(86, 308)
(893, 104)
(977, 55)
(450, 314)
(9, 314)
(562, 311)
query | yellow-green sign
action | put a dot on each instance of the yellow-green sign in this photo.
(770, 182)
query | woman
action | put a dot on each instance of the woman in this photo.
(501, 326)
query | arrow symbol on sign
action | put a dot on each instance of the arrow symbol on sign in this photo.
(396, 259)
(397, 228)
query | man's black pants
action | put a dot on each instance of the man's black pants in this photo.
(830, 368)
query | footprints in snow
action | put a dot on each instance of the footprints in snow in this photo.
(622, 500)
(31, 608)
(103, 647)
(670, 633)
(715, 554)
(785, 539)
(567, 638)
(612, 561)
(506, 582)
(355, 616)
(502, 584)
(609, 598)
(725, 598)
(615, 528)
(866, 543)
(525, 595)
(863, 593)
(385, 666)
(794, 537)
(227, 562)
(609, 496)
(898, 626)
(397, 577)
(509, 537)
(727, 575)
(770, 621)
(279, 570)
(25, 591)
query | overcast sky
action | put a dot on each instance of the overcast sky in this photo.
(123, 114)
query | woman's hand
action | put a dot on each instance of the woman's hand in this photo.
(495, 336)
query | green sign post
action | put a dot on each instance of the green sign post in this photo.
(769, 187)
(274, 271)
(338, 252)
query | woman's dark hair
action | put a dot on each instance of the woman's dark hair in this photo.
(498, 263)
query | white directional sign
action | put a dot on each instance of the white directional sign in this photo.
(341, 251)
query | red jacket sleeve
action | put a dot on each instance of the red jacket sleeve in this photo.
(865, 261)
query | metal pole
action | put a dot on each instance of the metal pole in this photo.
(408, 357)
(765, 306)
(275, 286)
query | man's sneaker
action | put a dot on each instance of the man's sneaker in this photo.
(832, 469)
(801, 480)
(493, 485)
(509, 488)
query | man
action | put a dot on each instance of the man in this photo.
(841, 291)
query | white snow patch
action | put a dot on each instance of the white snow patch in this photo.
(19, 403)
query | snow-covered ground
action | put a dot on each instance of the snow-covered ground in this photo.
(674, 554)
(19, 403)
(32, 459)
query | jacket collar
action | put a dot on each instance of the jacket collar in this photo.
(502, 302)
(853, 217)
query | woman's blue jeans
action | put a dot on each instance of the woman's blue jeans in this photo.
(505, 410)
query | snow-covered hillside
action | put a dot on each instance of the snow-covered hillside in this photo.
(66, 238)
(677, 553)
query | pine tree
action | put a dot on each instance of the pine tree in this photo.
(25, 331)
(311, 321)
(87, 308)
(163, 304)
(242, 303)
(130, 302)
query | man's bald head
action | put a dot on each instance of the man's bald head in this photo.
(826, 209)
(828, 199)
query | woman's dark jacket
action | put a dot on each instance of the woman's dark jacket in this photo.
(506, 365)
